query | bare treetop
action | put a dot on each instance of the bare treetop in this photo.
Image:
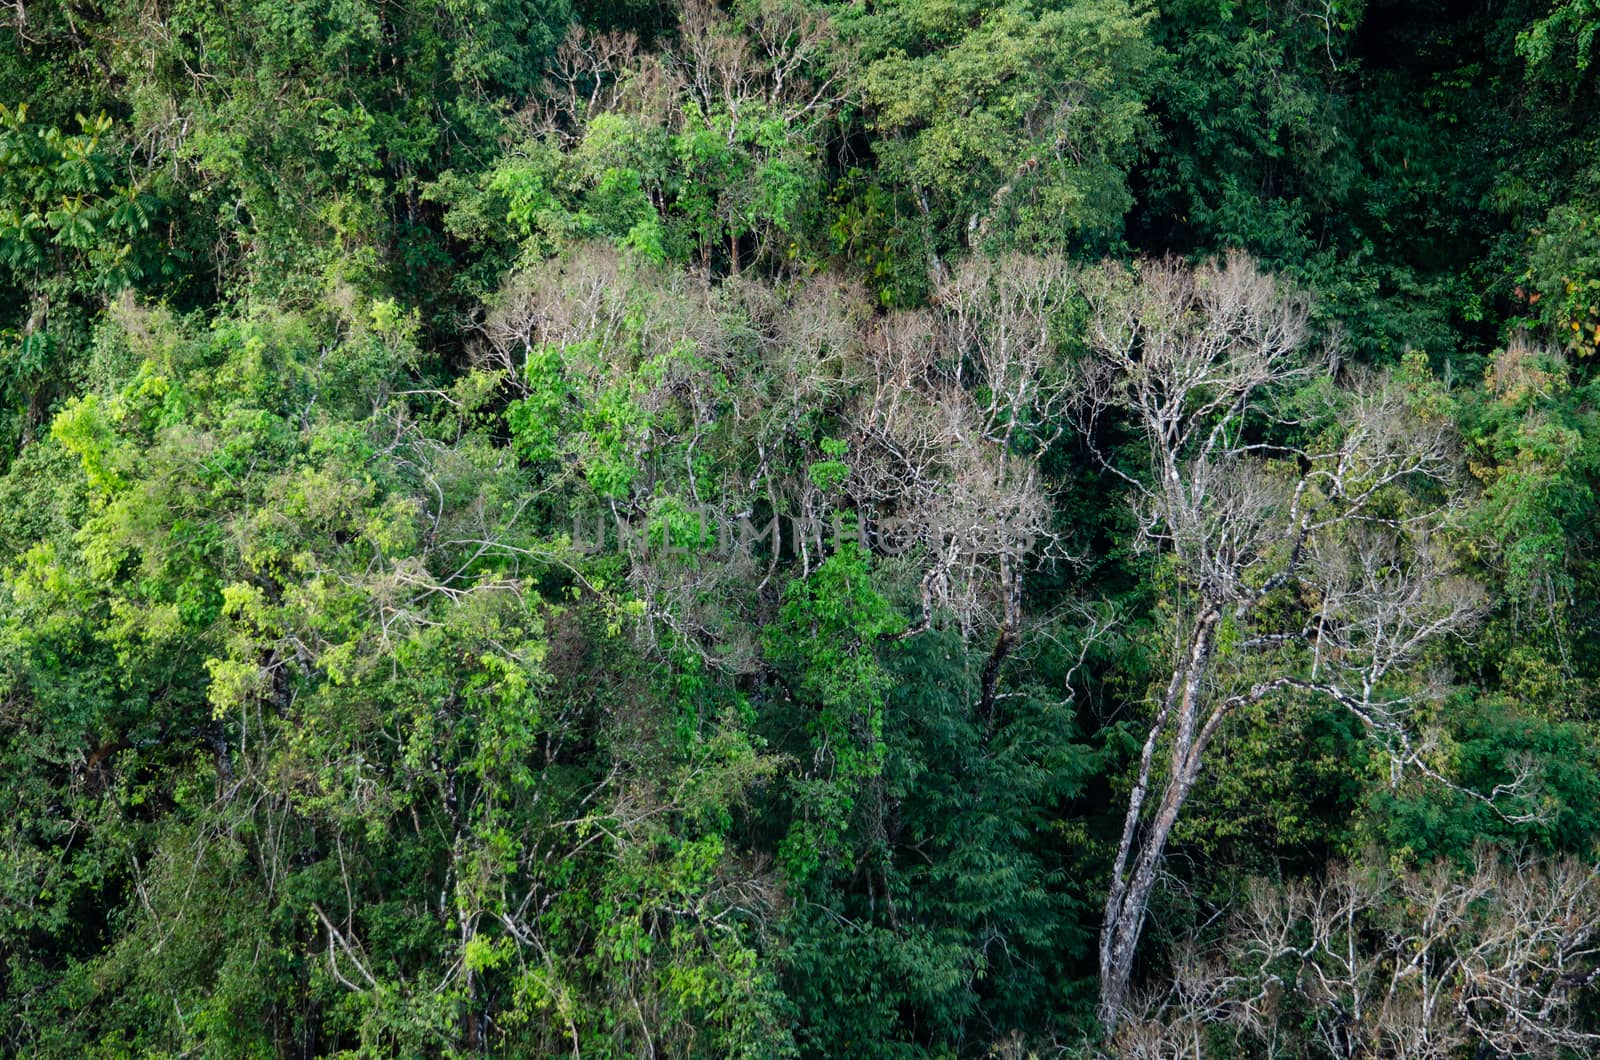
(1304, 518)
(1187, 350)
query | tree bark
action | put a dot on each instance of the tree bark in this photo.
(1143, 848)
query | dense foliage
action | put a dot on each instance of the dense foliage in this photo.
(800, 528)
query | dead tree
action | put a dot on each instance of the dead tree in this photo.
(1499, 958)
(1301, 535)
(959, 402)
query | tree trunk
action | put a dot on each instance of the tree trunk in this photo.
(1010, 624)
(1143, 848)
(1125, 921)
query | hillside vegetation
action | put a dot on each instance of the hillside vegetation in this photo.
(800, 528)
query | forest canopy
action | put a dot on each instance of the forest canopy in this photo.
(800, 528)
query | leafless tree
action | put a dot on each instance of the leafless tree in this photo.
(1303, 536)
(928, 478)
(1413, 964)
(957, 403)
(944, 411)
(785, 64)
(1002, 324)
(584, 80)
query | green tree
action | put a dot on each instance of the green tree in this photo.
(1006, 125)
